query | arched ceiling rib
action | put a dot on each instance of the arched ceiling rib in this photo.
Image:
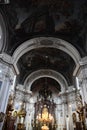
(42, 73)
(46, 42)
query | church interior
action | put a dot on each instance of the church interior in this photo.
(43, 64)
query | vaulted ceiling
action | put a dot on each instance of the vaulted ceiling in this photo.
(64, 19)
(46, 58)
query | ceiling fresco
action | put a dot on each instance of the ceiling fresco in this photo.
(64, 19)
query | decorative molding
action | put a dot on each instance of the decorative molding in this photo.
(76, 69)
(83, 61)
(81, 66)
(7, 59)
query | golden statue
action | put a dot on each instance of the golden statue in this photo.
(45, 116)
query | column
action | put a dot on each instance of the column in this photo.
(67, 117)
(7, 82)
(4, 96)
(70, 117)
(67, 122)
(63, 115)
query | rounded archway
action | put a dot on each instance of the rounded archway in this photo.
(46, 73)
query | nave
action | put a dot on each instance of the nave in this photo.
(43, 64)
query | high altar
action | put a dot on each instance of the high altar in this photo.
(44, 117)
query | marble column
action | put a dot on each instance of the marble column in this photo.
(67, 117)
(70, 117)
(6, 77)
(67, 122)
(63, 115)
(4, 96)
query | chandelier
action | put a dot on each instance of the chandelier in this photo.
(45, 116)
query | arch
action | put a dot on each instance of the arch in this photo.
(45, 73)
(45, 42)
(4, 32)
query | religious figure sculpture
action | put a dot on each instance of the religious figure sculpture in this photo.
(74, 118)
(80, 111)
